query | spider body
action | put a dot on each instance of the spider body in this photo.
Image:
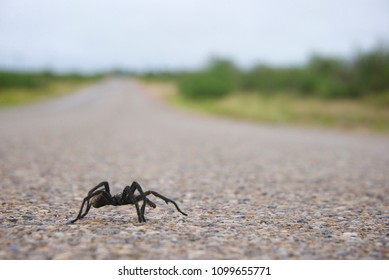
(100, 196)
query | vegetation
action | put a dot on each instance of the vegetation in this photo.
(350, 114)
(327, 91)
(20, 88)
(217, 80)
(325, 77)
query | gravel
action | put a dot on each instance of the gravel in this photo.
(251, 191)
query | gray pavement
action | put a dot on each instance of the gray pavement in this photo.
(251, 191)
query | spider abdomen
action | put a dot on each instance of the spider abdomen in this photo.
(99, 201)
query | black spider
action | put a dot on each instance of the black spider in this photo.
(102, 197)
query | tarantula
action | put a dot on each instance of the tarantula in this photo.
(101, 197)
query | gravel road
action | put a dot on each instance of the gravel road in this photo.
(251, 191)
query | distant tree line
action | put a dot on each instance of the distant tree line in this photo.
(12, 79)
(328, 77)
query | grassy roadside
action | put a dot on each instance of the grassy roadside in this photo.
(367, 114)
(29, 88)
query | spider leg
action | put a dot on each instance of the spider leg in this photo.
(142, 195)
(148, 201)
(128, 194)
(167, 200)
(102, 184)
(87, 200)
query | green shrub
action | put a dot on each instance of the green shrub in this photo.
(219, 79)
(27, 80)
(372, 70)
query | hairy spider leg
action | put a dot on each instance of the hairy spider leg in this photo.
(167, 200)
(128, 195)
(102, 184)
(148, 201)
(86, 199)
(142, 195)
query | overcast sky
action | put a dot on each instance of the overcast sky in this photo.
(95, 35)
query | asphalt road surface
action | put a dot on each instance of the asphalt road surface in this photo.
(250, 191)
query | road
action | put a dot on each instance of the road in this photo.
(251, 191)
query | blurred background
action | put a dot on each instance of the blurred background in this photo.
(304, 176)
(303, 62)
